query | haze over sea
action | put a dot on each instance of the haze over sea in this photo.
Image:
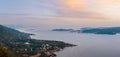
(89, 45)
(41, 16)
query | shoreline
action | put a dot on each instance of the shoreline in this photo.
(22, 45)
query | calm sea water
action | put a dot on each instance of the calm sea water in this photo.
(89, 45)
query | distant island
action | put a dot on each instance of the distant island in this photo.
(20, 44)
(62, 30)
(101, 30)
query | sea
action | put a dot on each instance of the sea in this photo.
(88, 45)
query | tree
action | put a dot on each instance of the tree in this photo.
(4, 52)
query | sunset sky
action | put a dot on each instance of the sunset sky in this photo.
(72, 11)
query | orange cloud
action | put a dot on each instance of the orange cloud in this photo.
(97, 9)
(96, 16)
(75, 4)
(108, 1)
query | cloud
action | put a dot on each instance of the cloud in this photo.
(90, 8)
(108, 1)
(94, 9)
(108, 8)
(75, 4)
(78, 9)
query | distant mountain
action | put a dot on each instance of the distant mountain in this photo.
(101, 30)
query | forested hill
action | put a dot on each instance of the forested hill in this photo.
(22, 45)
(10, 33)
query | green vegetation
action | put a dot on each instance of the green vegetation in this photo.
(4, 52)
(22, 45)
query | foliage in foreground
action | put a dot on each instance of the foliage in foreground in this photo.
(4, 52)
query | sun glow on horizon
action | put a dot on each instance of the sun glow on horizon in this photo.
(100, 8)
(80, 12)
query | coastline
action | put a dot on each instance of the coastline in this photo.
(22, 45)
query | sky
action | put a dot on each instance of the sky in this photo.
(80, 12)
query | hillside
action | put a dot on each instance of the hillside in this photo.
(6, 32)
(22, 45)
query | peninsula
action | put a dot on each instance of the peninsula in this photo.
(21, 44)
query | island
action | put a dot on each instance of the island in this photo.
(62, 30)
(20, 44)
(100, 30)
